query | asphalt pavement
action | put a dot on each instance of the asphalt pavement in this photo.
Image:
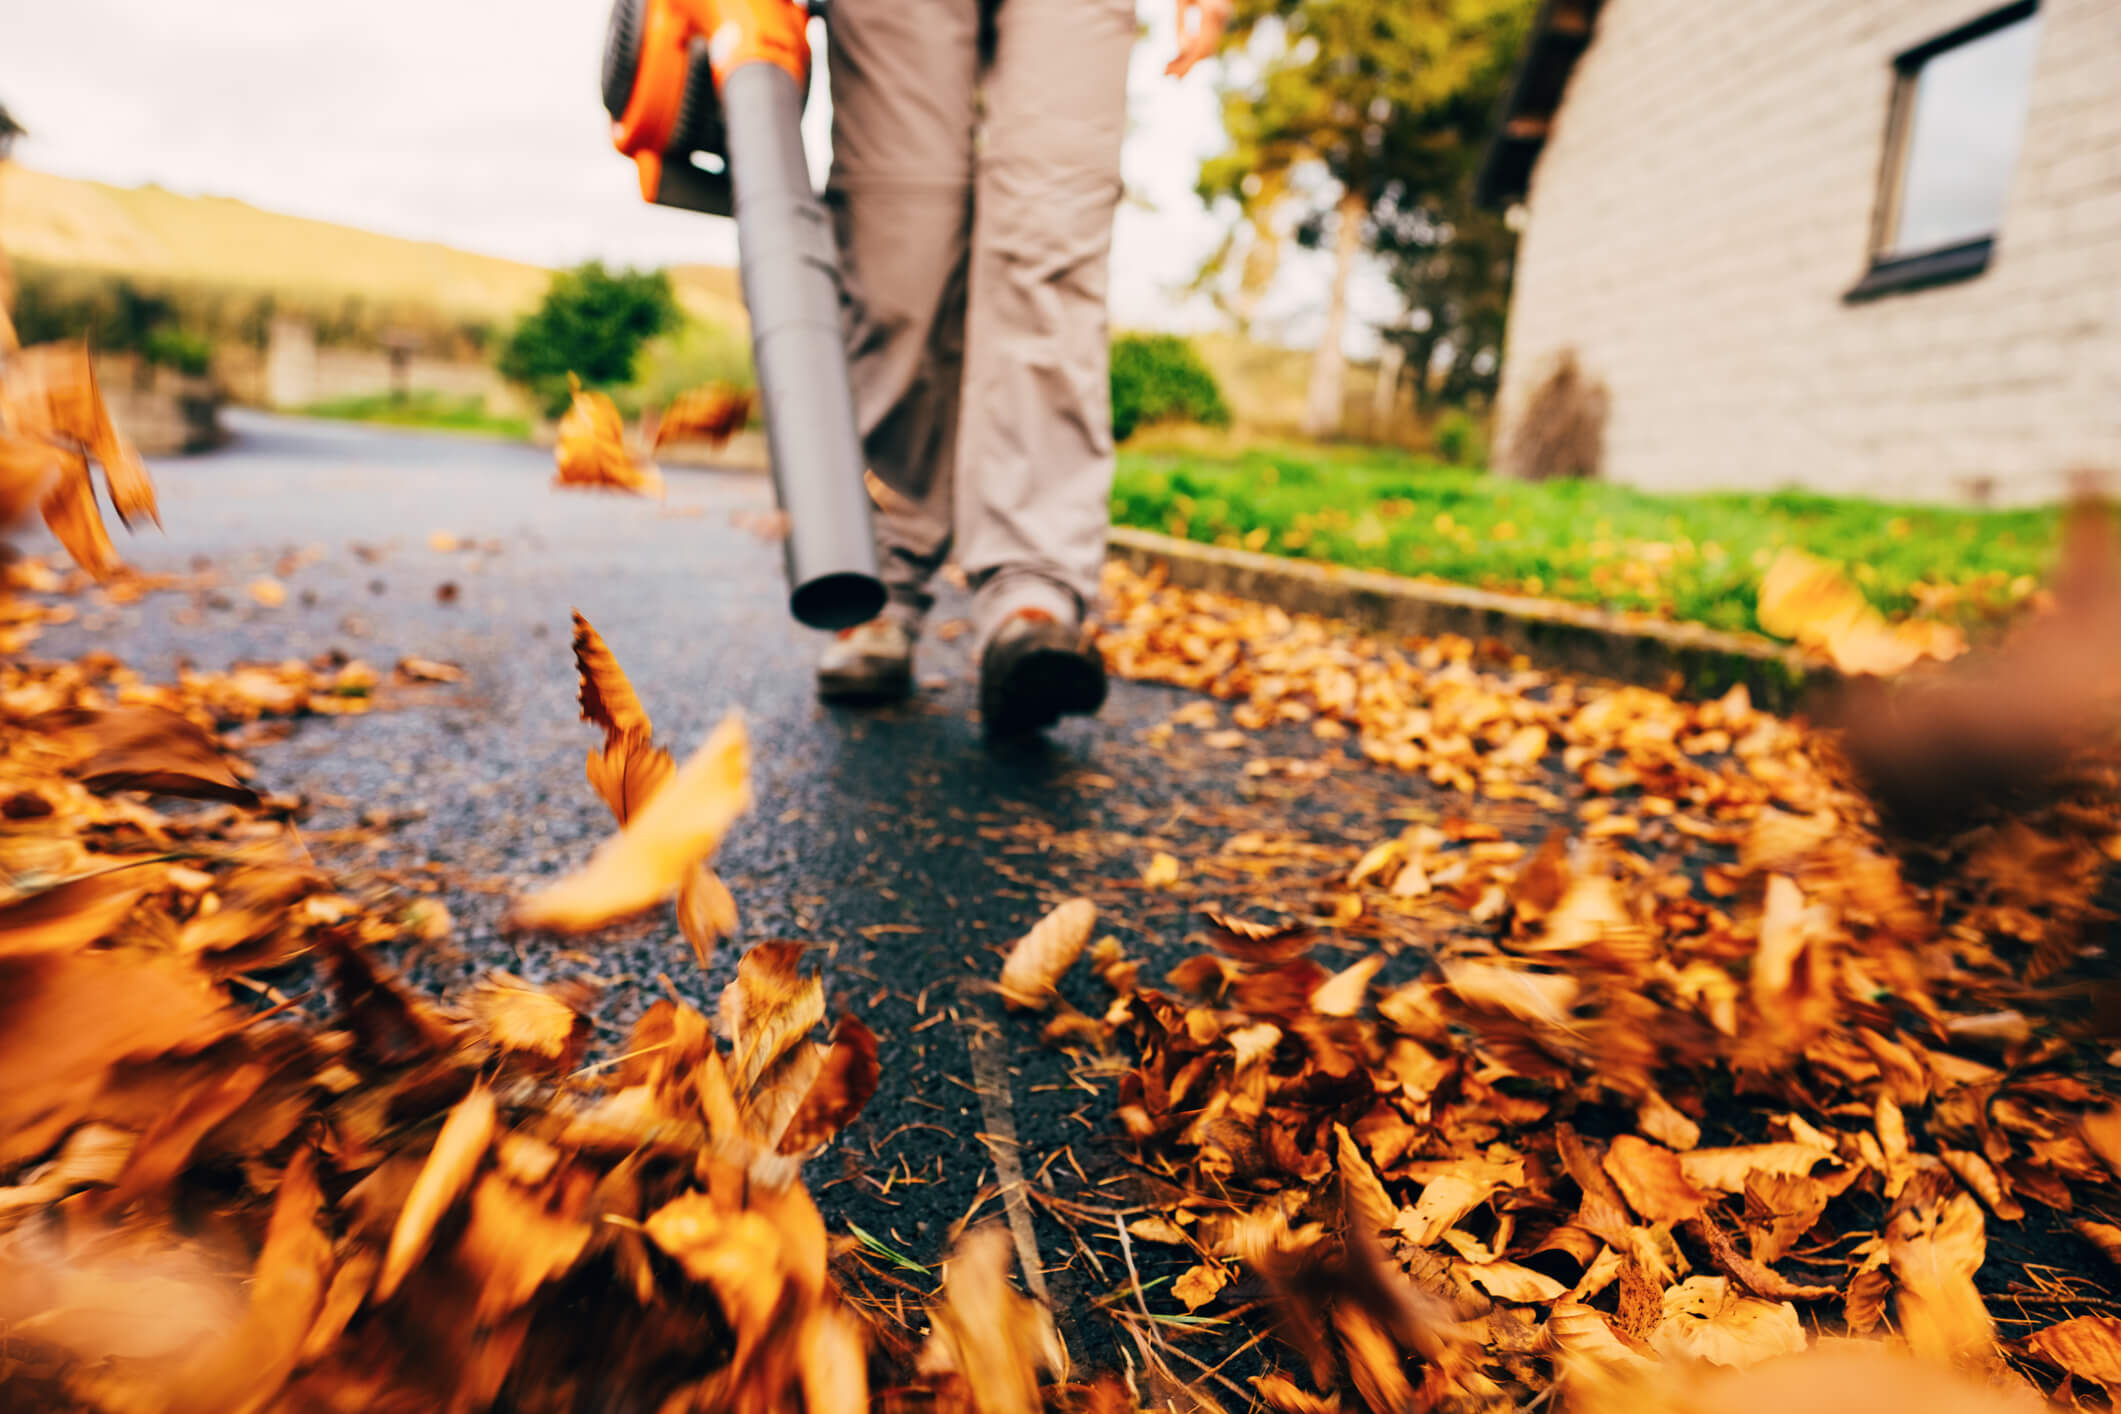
(899, 844)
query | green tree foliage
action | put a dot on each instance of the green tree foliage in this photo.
(592, 323)
(1160, 378)
(114, 315)
(1450, 259)
(1373, 96)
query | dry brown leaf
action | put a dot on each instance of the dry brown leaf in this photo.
(165, 1149)
(1445, 1199)
(1653, 1182)
(1704, 1319)
(1156, 1229)
(1374, 1362)
(447, 1173)
(1937, 1241)
(1782, 1208)
(1659, 1120)
(1811, 601)
(772, 1005)
(1044, 954)
(1544, 997)
(1507, 1281)
(1726, 1170)
(67, 1018)
(514, 1246)
(519, 1017)
(2102, 1130)
(2104, 1236)
(28, 470)
(1755, 1276)
(70, 512)
(416, 669)
(1282, 1393)
(70, 915)
(712, 414)
(1259, 943)
(607, 696)
(842, 1086)
(1342, 994)
(1591, 916)
(1164, 870)
(1582, 1333)
(706, 911)
(647, 860)
(1370, 1208)
(626, 772)
(995, 1339)
(739, 1254)
(1976, 1173)
(142, 748)
(590, 449)
(2089, 1347)
(1199, 1283)
(1865, 1305)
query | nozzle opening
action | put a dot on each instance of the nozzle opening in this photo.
(836, 601)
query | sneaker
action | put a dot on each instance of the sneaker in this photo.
(1036, 670)
(871, 662)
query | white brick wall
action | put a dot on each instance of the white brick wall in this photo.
(1706, 199)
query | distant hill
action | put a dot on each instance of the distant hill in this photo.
(155, 234)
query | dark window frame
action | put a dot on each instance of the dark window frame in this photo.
(1892, 274)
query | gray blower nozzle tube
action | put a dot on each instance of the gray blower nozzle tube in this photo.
(791, 287)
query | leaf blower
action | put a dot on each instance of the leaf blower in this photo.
(706, 97)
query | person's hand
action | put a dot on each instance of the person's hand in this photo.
(1200, 38)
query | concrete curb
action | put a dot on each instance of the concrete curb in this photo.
(1685, 660)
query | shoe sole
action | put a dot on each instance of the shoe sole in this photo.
(1042, 685)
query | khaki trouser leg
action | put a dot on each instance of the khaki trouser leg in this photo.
(1034, 437)
(904, 76)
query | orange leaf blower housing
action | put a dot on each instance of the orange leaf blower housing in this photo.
(664, 61)
(706, 97)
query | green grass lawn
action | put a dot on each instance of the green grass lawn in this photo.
(1695, 557)
(435, 411)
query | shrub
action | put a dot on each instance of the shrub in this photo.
(1561, 431)
(1160, 378)
(187, 353)
(693, 355)
(591, 323)
(1459, 439)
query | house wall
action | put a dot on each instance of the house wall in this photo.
(1705, 200)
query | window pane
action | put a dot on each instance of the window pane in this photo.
(1963, 140)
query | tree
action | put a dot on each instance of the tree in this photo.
(591, 323)
(1449, 258)
(1340, 87)
(9, 131)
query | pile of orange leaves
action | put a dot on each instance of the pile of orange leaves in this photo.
(1707, 1079)
(214, 1202)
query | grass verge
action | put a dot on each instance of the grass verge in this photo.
(1691, 557)
(433, 411)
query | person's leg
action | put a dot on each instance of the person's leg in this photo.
(1035, 432)
(904, 74)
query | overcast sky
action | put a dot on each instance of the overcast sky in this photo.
(472, 122)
